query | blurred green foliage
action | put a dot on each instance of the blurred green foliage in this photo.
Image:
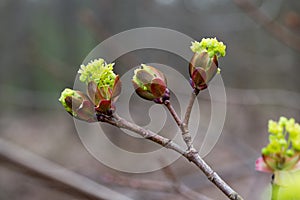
(286, 186)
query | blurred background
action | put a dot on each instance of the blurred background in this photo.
(43, 43)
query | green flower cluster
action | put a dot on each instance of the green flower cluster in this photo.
(284, 138)
(103, 89)
(98, 71)
(210, 45)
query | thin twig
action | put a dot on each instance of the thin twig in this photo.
(181, 188)
(190, 106)
(173, 112)
(187, 138)
(191, 154)
(183, 125)
(138, 183)
(147, 134)
(72, 183)
(272, 27)
(153, 185)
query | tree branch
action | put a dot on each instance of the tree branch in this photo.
(183, 125)
(173, 112)
(153, 185)
(181, 188)
(187, 138)
(71, 182)
(191, 154)
(272, 27)
(190, 106)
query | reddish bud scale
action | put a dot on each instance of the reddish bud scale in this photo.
(202, 69)
(82, 108)
(104, 98)
(150, 84)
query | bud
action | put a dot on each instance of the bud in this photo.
(204, 64)
(78, 105)
(104, 97)
(150, 84)
(103, 85)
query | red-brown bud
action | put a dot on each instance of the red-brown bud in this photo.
(150, 84)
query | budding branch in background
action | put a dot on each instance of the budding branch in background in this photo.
(104, 87)
(282, 158)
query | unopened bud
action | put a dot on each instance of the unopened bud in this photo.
(78, 105)
(150, 84)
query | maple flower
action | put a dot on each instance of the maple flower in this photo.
(204, 64)
(283, 150)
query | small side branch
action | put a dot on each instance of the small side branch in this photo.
(183, 125)
(147, 134)
(181, 188)
(213, 176)
(190, 106)
(187, 138)
(173, 112)
(153, 185)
